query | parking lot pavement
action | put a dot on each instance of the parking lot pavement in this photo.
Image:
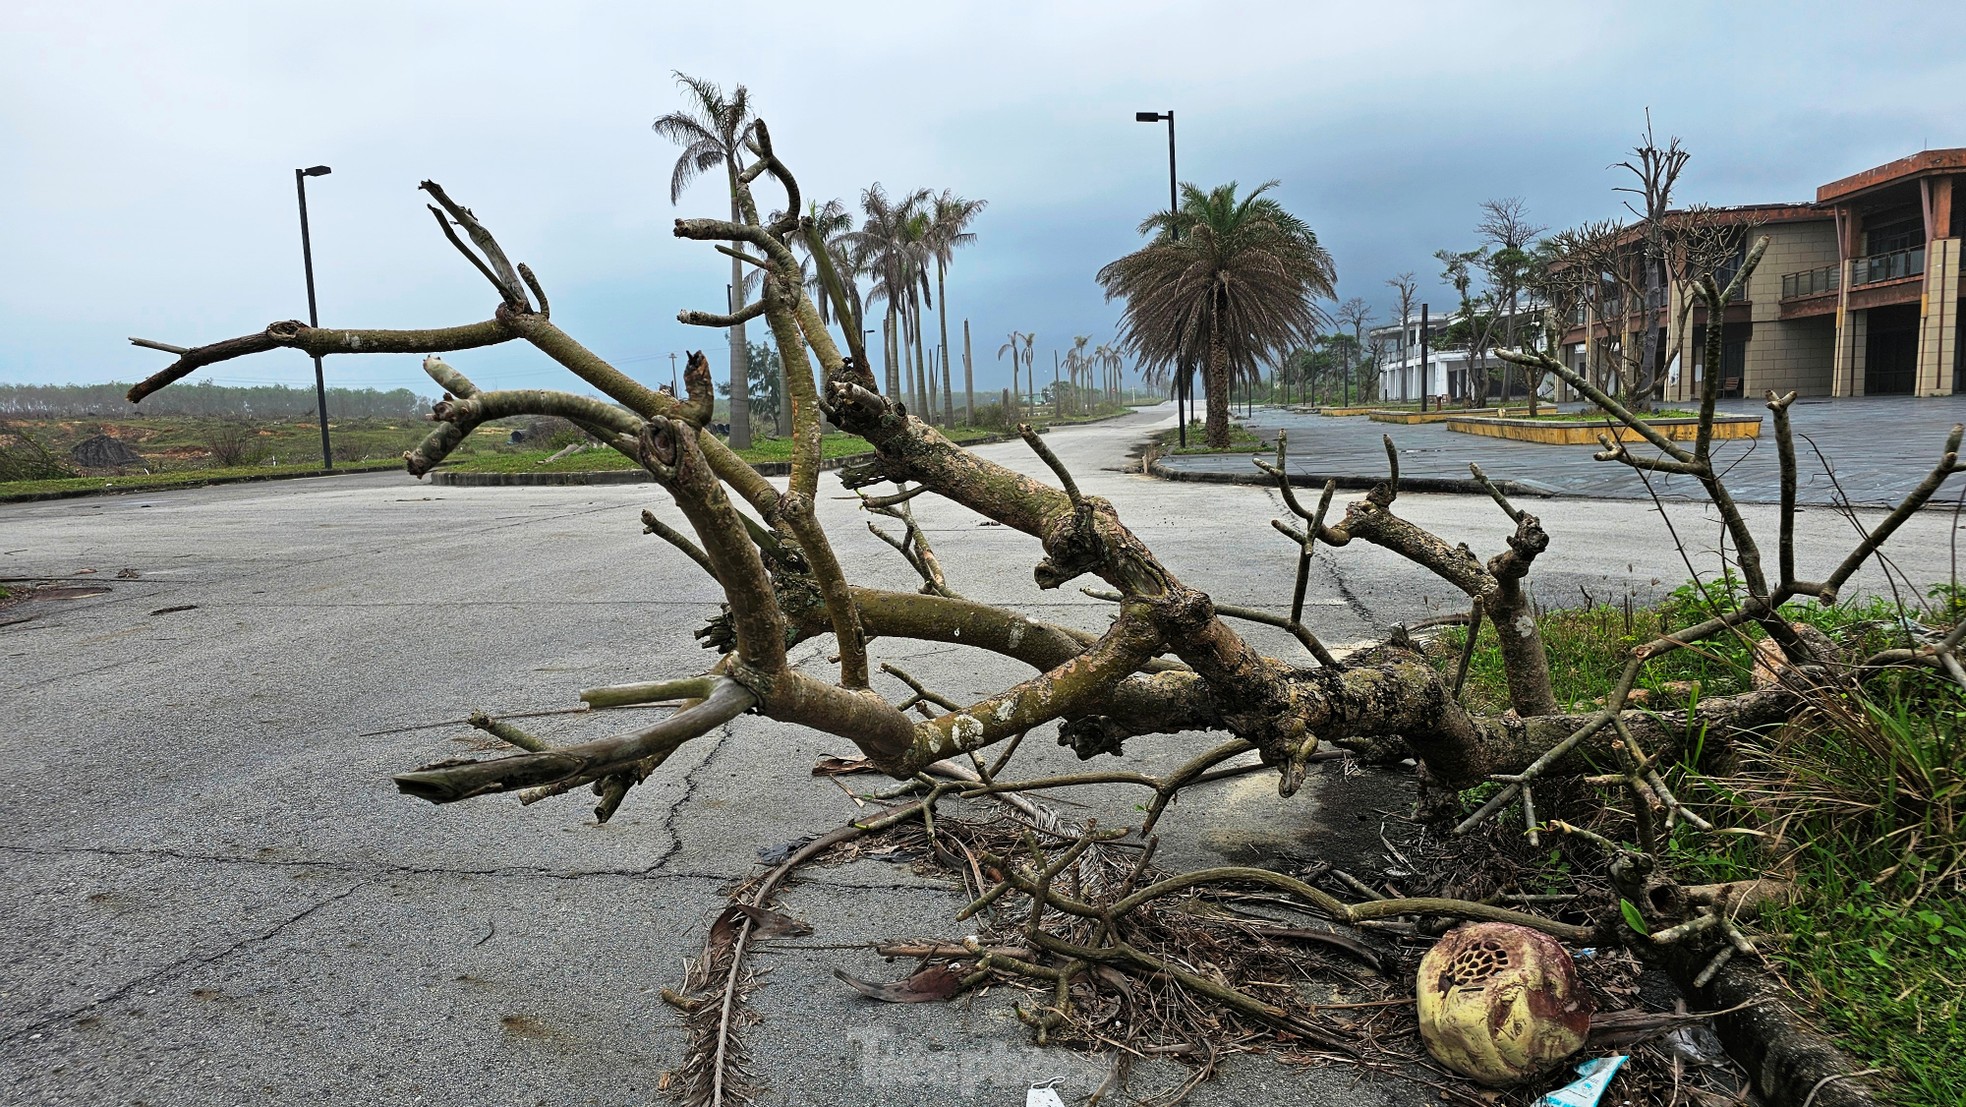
(215, 896)
(1879, 448)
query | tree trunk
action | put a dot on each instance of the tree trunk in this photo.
(1217, 387)
(969, 380)
(891, 361)
(740, 353)
(942, 314)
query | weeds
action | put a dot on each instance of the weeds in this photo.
(1861, 804)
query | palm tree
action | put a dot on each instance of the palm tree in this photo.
(949, 220)
(834, 222)
(1077, 363)
(916, 238)
(713, 131)
(1107, 357)
(1225, 281)
(885, 252)
(1027, 353)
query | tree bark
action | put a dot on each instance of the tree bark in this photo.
(969, 380)
(1218, 391)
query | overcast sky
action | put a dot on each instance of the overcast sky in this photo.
(147, 149)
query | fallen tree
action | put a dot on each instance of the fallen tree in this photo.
(1170, 662)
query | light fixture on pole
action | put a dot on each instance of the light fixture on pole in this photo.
(1173, 202)
(313, 316)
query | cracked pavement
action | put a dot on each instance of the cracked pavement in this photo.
(213, 894)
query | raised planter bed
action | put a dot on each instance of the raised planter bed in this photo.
(1573, 432)
(1383, 415)
(1342, 411)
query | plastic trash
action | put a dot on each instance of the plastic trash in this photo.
(1697, 1045)
(1043, 1095)
(1593, 1077)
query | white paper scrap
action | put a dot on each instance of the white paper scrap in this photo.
(1042, 1096)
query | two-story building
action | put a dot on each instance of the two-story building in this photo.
(1858, 294)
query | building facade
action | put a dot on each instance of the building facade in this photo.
(1858, 294)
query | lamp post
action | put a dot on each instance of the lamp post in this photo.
(313, 316)
(1173, 202)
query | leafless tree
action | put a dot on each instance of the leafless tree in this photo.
(1171, 660)
(1508, 234)
(1407, 289)
(1657, 174)
(1356, 314)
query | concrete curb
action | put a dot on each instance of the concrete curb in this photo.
(1356, 483)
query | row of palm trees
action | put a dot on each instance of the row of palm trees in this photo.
(1077, 368)
(896, 245)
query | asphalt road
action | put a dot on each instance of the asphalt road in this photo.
(211, 894)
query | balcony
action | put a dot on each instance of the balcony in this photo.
(1811, 282)
(1887, 267)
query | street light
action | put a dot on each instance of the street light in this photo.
(1173, 202)
(313, 316)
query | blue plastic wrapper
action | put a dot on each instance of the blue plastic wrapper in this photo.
(1593, 1077)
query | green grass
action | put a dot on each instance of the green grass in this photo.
(1865, 812)
(187, 478)
(1597, 416)
(512, 459)
(1241, 441)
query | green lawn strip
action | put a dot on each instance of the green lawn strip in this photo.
(502, 459)
(1594, 417)
(1871, 817)
(186, 478)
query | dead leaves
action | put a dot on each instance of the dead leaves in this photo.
(931, 984)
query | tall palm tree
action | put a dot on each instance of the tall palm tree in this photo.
(949, 218)
(834, 222)
(1078, 363)
(886, 253)
(916, 238)
(1026, 354)
(1229, 282)
(1107, 357)
(712, 131)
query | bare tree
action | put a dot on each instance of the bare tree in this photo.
(1407, 290)
(1356, 314)
(1170, 661)
(1508, 234)
(1657, 173)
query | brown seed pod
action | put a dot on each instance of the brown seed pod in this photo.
(1501, 1003)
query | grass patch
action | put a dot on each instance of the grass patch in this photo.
(1864, 808)
(1241, 441)
(1598, 416)
(517, 459)
(187, 478)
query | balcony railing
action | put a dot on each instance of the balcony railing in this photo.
(1809, 282)
(1887, 267)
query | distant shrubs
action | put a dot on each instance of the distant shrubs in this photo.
(23, 458)
(994, 417)
(552, 434)
(232, 443)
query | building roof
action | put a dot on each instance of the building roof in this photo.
(1923, 163)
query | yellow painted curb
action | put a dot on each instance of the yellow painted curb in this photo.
(1585, 434)
(1410, 417)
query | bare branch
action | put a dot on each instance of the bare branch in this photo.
(449, 782)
